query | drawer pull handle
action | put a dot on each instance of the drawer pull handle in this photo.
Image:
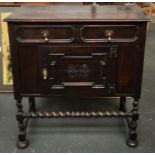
(109, 33)
(109, 36)
(44, 73)
(45, 35)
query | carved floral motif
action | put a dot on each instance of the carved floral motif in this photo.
(78, 71)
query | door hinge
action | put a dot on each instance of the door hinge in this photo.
(113, 52)
(111, 88)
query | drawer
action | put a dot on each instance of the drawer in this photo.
(83, 33)
(45, 34)
(108, 33)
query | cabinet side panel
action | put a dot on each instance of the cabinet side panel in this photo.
(142, 41)
(14, 58)
(126, 69)
(29, 69)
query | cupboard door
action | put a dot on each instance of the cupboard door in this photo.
(77, 70)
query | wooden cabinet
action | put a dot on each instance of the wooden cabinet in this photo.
(78, 51)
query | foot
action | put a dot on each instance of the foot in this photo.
(132, 143)
(22, 144)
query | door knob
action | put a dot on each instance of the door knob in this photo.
(44, 73)
(45, 36)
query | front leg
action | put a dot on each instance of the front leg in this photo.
(32, 106)
(132, 141)
(122, 103)
(22, 141)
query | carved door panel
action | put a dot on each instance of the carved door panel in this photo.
(77, 70)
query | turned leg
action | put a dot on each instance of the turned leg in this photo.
(132, 141)
(22, 141)
(32, 104)
(122, 103)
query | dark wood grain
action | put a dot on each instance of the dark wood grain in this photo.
(77, 51)
(78, 13)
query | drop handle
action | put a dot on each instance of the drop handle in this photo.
(45, 36)
(44, 73)
(109, 34)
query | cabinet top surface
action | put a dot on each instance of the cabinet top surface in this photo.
(90, 13)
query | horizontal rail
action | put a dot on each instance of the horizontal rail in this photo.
(76, 114)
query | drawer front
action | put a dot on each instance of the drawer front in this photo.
(76, 33)
(76, 70)
(45, 33)
(109, 33)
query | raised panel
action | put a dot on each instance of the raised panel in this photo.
(76, 68)
(28, 68)
(127, 69)
(109, 33)
(55, 33)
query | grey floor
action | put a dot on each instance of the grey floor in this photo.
(84, 135)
